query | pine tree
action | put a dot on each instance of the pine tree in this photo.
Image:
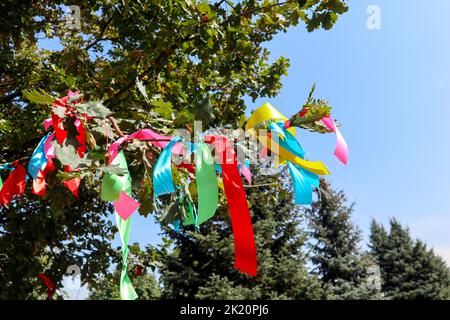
(146, 286)
(141, 270)
(335, 246)
(409, 270)
(201, 264)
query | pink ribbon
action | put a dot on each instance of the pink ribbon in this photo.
(341, 150)
(48, 123)
(143, 135)
(49, 150)
(245, 171)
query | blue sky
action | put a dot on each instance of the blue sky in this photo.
(390, 91)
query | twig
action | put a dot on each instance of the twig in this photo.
(260, 185)
(20, 159)
(114, 100)
(99, 38)
(115, 126)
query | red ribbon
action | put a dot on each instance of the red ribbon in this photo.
(73, 184)
(51, 287)
(188, 167)
(58, 123)
(81, 137)
(241, 222)
(39, 184)
(14, 185)
(138, 270)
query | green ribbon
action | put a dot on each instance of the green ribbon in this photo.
(188, 208)
(1, 183)
(207, 189)
(112, 185)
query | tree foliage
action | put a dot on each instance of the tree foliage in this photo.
(336, 255)
(201, 263)
(158, 64)
(409, 269)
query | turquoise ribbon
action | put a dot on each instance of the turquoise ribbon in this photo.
(303, 182)
(288, 141)
(302, 179)
(38, 161)
(162, 173)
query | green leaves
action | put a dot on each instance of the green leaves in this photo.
(170, 214)
(38, 96)
(164, 108)
(68, 156)
(5, 125)
(312, 112)
(64, 176)
(203, 111)
(145, 196)
(182, 50)
(204, 8)
(141, 88)
(94, 109)
(114, 169)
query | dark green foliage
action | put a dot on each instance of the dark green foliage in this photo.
(336, 255)
(35, 239)
(146, 286)
(186, 56)
(409, 269)
(201, 264)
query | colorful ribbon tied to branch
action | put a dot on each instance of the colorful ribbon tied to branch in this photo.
(118, 189)
(241, 223)
(14, 185)
(282, 141)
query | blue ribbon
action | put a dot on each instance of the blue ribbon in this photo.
(162, 173)
(303, 182)
(288, 141)
(38, 160)
(302, 179)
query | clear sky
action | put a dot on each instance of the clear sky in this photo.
(390, 91)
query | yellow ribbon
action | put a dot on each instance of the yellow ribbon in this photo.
(267, 112)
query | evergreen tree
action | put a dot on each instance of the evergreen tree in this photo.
(153, 64)
(145, 283)
(336, 258)
(201, 264)
(146, 286)
(409, 270)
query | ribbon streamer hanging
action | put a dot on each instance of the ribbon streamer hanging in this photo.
(14, 185)
(303, 180)
(143, 135)
(110, 189)
(38, 160)
(341, 151)
(206, 179)
(241, 223)
(49, 284)
(267, 113)
(162, 173)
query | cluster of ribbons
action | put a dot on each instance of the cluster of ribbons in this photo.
(118, 188)
(282, 141)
